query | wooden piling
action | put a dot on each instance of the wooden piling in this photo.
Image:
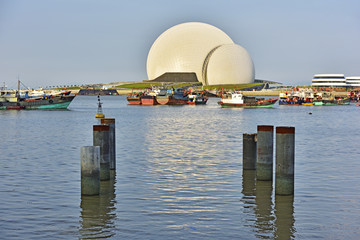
(90, 170)
(285, 155)
(265, 145)
(101, 138)
(112, 147)
(249, 151)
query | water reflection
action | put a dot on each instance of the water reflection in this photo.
(189, 168)
(264, 209)
(98, 213)
(248, 189)
(271, 221)
(284, 212)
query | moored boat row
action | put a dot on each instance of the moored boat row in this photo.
(310, 98)
(180, 97)
(167, 97)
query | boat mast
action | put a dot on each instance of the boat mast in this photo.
(18, 92)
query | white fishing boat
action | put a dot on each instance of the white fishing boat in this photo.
(237, 100)
(21, 99)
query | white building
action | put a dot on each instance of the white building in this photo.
(335, 80)
(329, 80)
(353, 81)
(201, 49)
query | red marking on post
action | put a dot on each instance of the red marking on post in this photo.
(101, 128)
(265, 128)
(107, 120)
(285, 130)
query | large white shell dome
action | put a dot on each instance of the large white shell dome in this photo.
(229, 64)
(198, 47)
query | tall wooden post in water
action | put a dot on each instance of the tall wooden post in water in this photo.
(249, 151)
(101, 138)
(285, 155)
(112, 149)
(90, 170)
(265, 145)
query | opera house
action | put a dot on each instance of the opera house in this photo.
(198, 52)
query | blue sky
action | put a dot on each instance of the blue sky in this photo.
(62, 42)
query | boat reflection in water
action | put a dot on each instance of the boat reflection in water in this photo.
(272, 221)
(98, 213)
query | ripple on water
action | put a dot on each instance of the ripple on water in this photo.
(179, 174)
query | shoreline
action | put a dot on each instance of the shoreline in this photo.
(245, 93)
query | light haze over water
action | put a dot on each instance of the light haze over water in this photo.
(179, 174)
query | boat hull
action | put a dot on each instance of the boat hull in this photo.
(148, 100)
(345, 101)
(162, 100)
(177, 101)
(269, 103)
(197, 101)
(134, 101)
(291, 102)
(53, 103)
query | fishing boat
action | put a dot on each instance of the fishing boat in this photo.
(47, 102)
(332, 102)
(148, 100)
(134, 98)
(149, 97)
(171, 97)
(303, 97)
(163, 96)
(354, 96)
(329, 99)
(31, 99)
(237, 100)
(290, 99)
(196, 98)
(179, 97)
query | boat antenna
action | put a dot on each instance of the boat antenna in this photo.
(18, 91)
(99, 113)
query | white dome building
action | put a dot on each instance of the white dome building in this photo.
(201, 49)
(228, 64)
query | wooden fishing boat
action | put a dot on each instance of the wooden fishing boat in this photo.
(33, 99)
(148, 100)
(44, 103)
(329, 99)
(134, 98)
(22, 99)
(237, 100)
(171, 97)
(197, 99)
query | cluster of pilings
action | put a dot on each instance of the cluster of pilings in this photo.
(258, 155)
(98, 162)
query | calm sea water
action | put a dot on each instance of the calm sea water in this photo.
(179, 174)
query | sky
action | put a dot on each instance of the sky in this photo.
(72, 42)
